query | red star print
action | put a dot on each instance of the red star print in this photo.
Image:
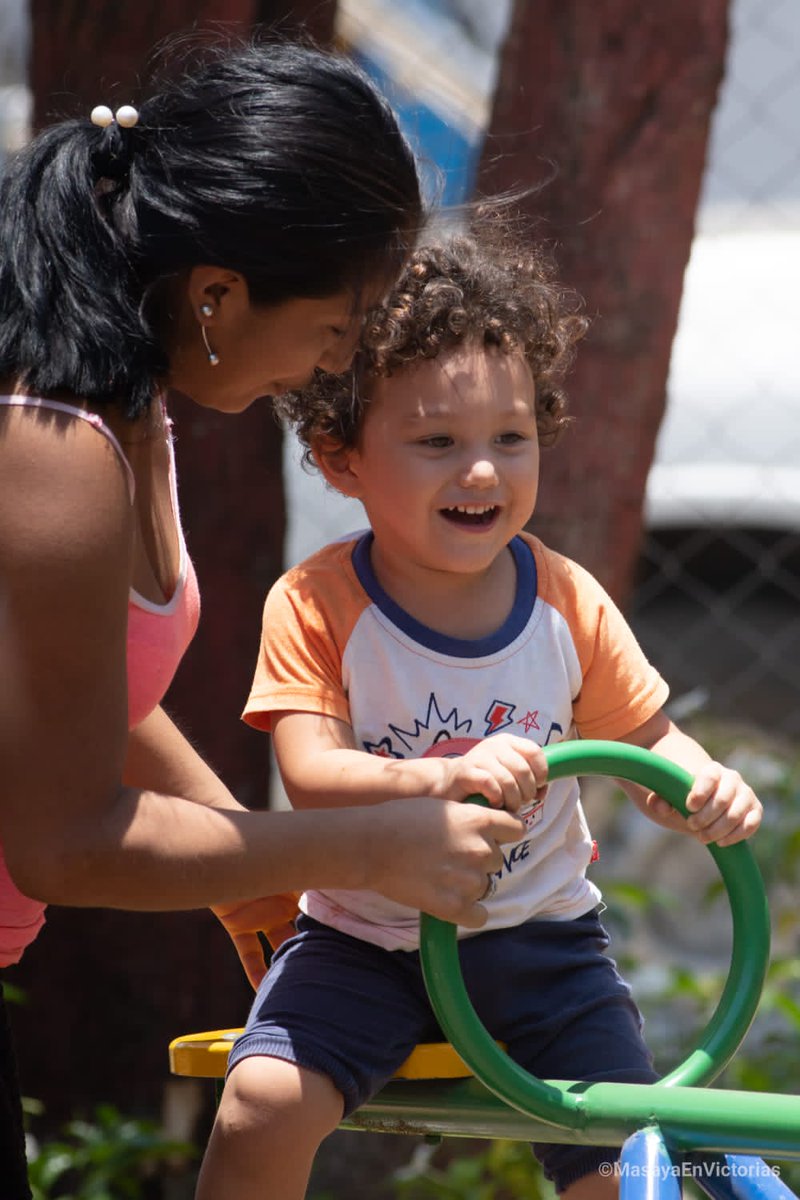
(529, 721)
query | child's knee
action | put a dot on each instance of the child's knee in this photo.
(271, 1093)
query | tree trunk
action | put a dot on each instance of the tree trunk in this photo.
(116, 39)
(121, 37)
(609, 102)
(107, 990)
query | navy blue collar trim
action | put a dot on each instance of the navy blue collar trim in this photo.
(511, 628)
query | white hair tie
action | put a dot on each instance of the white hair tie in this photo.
(126, 116)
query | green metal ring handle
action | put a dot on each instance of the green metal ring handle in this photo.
(740, 996)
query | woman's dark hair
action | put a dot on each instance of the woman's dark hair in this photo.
(491, 287)
(275, 160)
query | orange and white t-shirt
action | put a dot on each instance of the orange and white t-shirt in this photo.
(564, 664)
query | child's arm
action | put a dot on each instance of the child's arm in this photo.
(723, 808)
(321, 767)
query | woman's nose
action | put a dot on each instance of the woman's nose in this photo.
(339, 355)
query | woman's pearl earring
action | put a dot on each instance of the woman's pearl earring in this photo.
(213, 358)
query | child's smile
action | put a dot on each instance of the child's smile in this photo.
(471, 516)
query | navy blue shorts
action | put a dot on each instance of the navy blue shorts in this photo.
(354, 1012)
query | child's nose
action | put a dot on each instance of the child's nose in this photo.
(480, 472)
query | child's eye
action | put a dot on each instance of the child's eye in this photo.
(441, 442)
(511, 438)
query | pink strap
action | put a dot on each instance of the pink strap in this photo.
(90, 417)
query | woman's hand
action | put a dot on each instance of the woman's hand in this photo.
(435, 855)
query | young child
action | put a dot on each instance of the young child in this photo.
(435, 655)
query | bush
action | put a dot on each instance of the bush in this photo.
(111, 1157)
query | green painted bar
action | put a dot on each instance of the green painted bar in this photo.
(452, 1108)
(614, 1110)
(690, 1118)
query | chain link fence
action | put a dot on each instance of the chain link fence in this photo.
(717, 599)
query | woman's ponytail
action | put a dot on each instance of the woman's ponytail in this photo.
(70, 303)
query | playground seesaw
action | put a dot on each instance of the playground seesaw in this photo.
(667, 1130)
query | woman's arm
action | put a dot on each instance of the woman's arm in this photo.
(71, 832)
(151, 852)
(161, 758)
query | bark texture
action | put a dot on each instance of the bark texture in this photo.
(607, 106)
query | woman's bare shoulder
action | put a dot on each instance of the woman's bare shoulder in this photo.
(62, 484)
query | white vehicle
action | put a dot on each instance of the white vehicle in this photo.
(728, 453)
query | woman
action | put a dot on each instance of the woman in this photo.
(224, 242)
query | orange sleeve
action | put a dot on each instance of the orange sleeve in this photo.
(307, 618)
(620, 689)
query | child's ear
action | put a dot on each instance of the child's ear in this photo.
(335, 461)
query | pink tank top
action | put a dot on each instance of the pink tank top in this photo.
(158, 635)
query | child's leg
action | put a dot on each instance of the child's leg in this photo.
(331, 1022)
(271, 1120)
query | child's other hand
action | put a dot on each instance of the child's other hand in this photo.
(509, 771)
(271, 915)
(722, 808)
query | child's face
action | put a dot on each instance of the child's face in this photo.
(447, 464)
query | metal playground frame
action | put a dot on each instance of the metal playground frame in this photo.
(676, 1128)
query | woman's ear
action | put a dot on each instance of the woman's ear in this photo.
(223, 292)
(338, 464)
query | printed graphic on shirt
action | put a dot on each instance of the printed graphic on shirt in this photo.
(435, 727)
(440, 735)
(499, 715)
(530, 721)
(383, 749)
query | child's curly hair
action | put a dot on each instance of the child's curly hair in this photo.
(483, 288)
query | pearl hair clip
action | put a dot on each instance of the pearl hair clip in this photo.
(126, 116)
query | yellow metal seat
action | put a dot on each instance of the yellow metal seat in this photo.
(205, 1056)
